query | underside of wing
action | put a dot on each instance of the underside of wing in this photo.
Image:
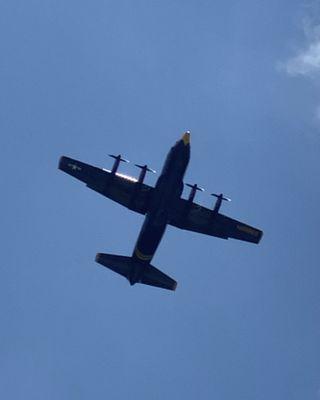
(193, 217)
(121, 188)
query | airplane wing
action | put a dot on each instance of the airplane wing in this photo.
(193, 217)
(120, 188)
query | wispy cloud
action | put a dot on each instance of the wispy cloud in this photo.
(307, 60)
(306, 63)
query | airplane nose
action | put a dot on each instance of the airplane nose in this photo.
(186, 138)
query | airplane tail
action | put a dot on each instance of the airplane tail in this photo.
(136, 272)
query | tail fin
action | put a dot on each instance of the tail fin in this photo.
(136, 272)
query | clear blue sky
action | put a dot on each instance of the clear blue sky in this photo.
(87, 78)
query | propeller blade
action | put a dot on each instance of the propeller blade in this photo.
(119, 158)
(195, 187)
(221, 196)
(146, 168)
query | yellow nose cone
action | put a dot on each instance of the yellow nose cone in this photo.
(186, 138)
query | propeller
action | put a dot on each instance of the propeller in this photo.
(144, 170)
(220, 197)
(193, 192)
(118, 159)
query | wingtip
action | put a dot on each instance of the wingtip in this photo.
(61, 162)
(98, 258)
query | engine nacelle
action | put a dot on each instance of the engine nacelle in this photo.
(193, 191)
(144, 170)
(118, 159)
(220, 197)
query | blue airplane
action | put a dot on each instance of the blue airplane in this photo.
(161, 205)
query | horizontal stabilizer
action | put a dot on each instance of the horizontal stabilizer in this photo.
(136, 272)
(154, 277)
(120, 264)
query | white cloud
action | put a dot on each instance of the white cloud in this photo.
(307, 61)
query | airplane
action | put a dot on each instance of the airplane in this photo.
(161, 205)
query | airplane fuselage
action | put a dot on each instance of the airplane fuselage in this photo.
(167, 191)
